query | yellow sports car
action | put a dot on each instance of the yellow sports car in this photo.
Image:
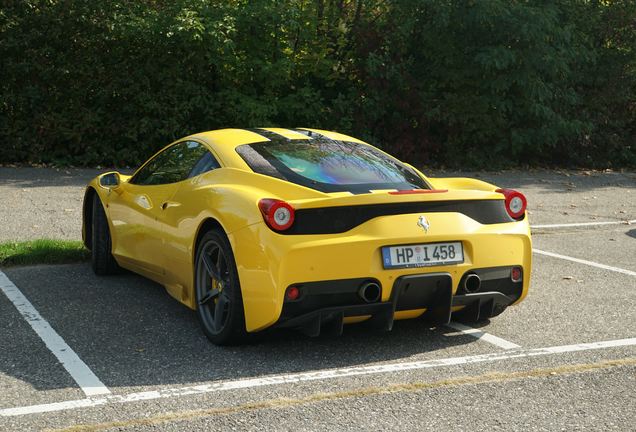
(308, 229)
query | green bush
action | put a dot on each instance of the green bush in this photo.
(483, 83)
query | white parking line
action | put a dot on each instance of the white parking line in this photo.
(582, 261)
(483, 336)
(311, 376)
(83, 376)
(582, 224)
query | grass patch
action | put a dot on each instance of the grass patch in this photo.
(43, 251)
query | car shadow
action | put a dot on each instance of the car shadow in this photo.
(132, 334)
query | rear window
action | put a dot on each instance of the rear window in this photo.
(330, 166)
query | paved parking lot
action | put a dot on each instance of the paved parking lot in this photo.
(134, 359)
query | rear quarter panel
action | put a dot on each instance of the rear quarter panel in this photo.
(462, 183)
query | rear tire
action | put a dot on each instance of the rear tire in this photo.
(218, 291)
(102, 259)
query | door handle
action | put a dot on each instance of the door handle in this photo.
(169, 204)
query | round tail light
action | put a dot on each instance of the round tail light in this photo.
(516, 202)
(278, 215)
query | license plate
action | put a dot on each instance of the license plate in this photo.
(422, 255)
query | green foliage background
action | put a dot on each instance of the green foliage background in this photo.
(483, 83)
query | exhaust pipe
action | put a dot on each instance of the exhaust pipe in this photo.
(370, 292)
(472, 283)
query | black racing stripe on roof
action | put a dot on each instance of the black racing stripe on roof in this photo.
(268, 134)
(312, 134)
(272, 136)
(257, 132)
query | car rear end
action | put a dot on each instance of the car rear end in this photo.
(390, 267)
(378, 243)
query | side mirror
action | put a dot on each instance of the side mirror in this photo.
(110, 180)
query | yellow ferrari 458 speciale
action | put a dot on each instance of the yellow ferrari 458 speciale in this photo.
(308, 229)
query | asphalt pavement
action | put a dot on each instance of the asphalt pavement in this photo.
(564, 359)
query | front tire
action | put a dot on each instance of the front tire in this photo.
(218, 291)
(101, 248)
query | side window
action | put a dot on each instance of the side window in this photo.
(174, 164)
(205, 164)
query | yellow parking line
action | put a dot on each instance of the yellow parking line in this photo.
(363, 392)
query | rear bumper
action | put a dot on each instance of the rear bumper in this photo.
(324, 306)
(480, 306)
(268, 263)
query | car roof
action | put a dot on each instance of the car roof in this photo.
(223, 142)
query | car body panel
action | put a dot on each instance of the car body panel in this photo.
(271, 264)
(155, 229)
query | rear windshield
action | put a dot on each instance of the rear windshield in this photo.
(330, 166)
